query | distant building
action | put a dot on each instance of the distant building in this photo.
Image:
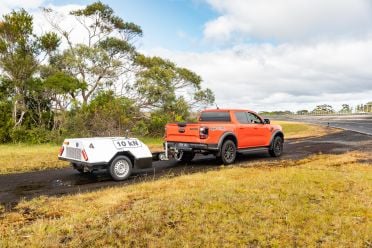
(368, 107)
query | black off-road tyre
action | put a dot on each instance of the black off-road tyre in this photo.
(276, 147)
(120, 168)
(228, 152)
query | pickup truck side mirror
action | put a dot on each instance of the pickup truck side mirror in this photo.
(266, 121)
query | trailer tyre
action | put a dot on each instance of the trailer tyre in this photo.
(120, 168)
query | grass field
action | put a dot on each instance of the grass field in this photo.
(303, 130)
(321, 201)
(23, 157)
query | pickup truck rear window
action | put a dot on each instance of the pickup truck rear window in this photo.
(215, 116)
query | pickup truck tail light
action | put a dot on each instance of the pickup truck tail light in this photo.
(85, 156)
(61, 150)
(203, 132)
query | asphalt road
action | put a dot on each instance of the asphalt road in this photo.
(357, 123)
(15, 187)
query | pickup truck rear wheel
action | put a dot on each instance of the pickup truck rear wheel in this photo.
(120, 168)
(228, 152)
(276, 148)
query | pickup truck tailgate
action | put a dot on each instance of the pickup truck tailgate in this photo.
(183, 132)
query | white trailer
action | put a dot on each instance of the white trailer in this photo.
(119, 155)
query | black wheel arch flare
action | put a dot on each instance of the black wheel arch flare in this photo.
(227, 135)
(276, 133)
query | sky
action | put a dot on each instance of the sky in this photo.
(256, 54)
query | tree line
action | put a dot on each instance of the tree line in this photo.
(52, 86)
(325, 109)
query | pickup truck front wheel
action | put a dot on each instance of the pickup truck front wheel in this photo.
(120, 168)
(228, 152)
(276, 148)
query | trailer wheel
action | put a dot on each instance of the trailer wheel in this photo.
(120, 168)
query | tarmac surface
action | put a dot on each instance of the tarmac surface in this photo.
(58, 182)
(357, 123)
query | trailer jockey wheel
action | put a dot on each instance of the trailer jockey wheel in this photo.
(185, 156)
(178, 156)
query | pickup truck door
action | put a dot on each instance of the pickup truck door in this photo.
(262, 132)
(246, 131)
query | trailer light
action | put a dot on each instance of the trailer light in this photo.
(85, 156)
(66, 143)
(203, 132)
(61, 150)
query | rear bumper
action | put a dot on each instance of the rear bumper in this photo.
(183, 146)
(79, 163)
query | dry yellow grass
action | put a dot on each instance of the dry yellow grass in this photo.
(321, 201)
(22, 157)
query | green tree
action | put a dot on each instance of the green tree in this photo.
(6, 123)
(323, 109)
(167, 91)
(105, 115)
(346, 109)
(303, 112)
(161, 84)
(20, 52)
(107, 54)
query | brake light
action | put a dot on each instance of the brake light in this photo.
(61, 150)
(203, 132)
(85, 156)
(165, 132)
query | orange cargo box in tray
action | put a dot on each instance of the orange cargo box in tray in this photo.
(224, 133)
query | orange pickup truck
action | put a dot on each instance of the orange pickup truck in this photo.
(224, 133)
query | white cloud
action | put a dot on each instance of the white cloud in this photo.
(304, 53)
(41, 24)
(7, 5)
(323, 52)
(286, 76)
(288, 20)
(65, 21)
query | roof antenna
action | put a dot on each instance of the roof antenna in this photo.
(217, 106)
